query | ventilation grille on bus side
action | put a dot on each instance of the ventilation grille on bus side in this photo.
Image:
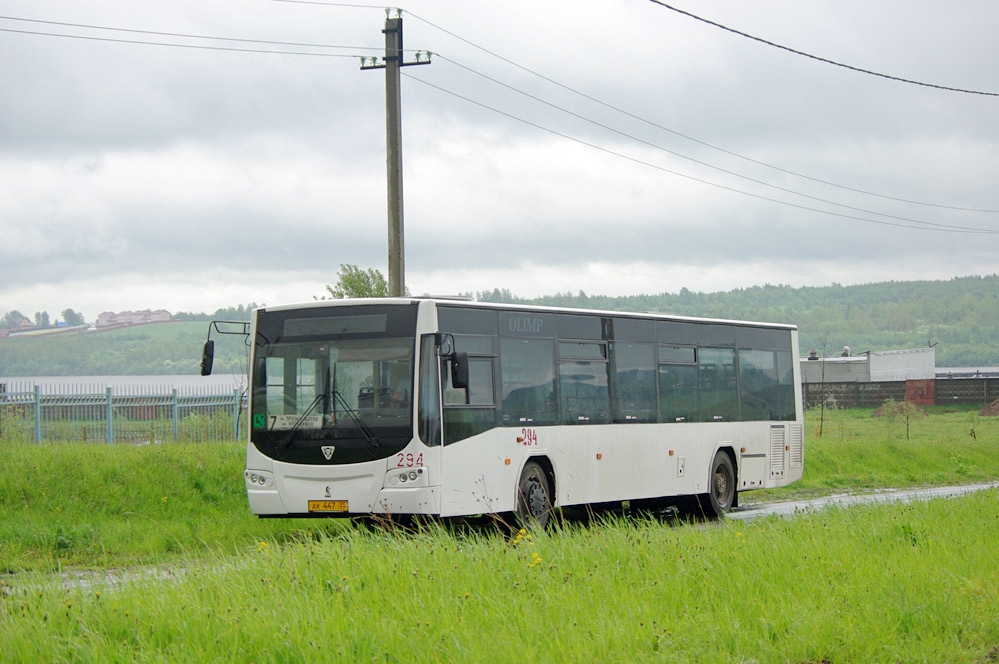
(777, 451)
(797, 446)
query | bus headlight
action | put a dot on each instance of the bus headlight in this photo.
(258, 479)
(408, 476)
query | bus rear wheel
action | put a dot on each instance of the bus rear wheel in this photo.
(534, 504)
(721, 493)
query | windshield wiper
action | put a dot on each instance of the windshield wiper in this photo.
(365, 430)
(286, 443)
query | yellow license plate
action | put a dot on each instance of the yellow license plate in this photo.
(327, 505)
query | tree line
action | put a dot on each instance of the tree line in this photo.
(959, 317)
(238, 313)
(14, 319)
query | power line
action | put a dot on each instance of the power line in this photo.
(682, 135)
(678, 154)
(187, 36)
(175, 45)
(925, 225)
(658, 126)
(820, 59)
(334, 4)
(314, 45)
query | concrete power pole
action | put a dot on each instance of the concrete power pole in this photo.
(393, 63)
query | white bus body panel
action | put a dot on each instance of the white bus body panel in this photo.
(603, 463)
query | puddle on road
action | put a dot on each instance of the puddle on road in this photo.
(791, 508)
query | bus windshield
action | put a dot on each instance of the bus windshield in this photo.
(333, 385)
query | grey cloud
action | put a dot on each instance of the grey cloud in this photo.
(151, 160)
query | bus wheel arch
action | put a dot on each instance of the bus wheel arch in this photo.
(536, 492)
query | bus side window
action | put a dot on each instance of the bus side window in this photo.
(718, 390)
(472, 410)
(758, 392)
(785, 385)
(678, 394)
(633, 370)
(583, 390)
(528, 381)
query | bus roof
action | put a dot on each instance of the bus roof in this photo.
(521, 307)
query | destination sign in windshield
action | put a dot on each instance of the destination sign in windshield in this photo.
(285, 422)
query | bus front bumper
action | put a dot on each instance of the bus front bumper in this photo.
(398, 501)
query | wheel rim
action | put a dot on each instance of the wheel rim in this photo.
(536, 499)
(723, 485)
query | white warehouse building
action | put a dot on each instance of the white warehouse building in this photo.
(871, 367)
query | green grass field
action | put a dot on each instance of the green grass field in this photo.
(194, 577)
(858, 451)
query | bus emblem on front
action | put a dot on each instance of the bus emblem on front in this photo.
(328, 451)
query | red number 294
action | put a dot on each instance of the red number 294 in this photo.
(408, 460)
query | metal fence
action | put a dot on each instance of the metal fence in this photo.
(967, 390)
(138, 415)
(945, 391)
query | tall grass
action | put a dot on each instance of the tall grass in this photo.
(860, 451)
(77, 504)
(914, 583)
(65, 504)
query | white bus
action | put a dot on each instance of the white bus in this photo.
(406, 406)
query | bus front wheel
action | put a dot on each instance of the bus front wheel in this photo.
(721, 493)
(534, 504)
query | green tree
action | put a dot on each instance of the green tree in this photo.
(41, 319)
(907, 411)
(355, 282)
(72, 318)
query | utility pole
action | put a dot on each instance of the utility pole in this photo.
(392, 63)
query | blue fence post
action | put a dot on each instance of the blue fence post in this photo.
(176, 416)
(110, 417)
(38, 414)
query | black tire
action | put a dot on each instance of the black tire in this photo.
(534, 502)
(722, 487)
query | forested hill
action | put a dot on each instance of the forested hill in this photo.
(960, 316)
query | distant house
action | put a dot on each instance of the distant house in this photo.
(18, 325)
(109, 318)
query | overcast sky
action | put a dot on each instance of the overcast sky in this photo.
(617, 147)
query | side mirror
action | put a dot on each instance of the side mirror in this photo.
(207, 357)
(459, 370)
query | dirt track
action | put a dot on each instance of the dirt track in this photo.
(792, 508)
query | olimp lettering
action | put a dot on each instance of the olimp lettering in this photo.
(532, 325)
